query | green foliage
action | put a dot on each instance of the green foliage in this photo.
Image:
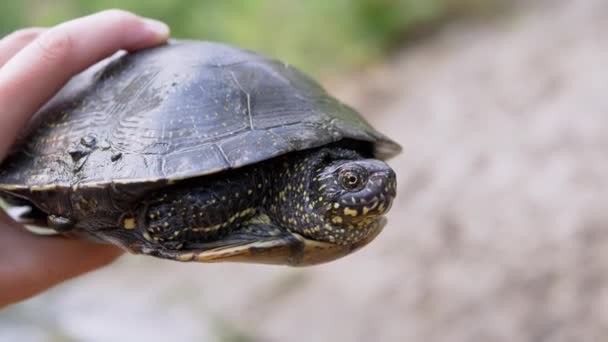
(316, 35)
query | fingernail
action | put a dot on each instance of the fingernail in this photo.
(158, 27)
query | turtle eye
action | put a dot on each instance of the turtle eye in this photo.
(352, 178)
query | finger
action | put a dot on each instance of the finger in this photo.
(31, 263)
(16, 41)
(40, 69)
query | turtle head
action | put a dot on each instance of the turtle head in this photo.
(353, 195)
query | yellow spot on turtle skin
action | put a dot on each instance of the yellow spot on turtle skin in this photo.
(381, 208)
(129, 223)
(336, 219)
(246, 212)
(232, 219)
(151, 216)
(147, 237)
(249, 192)
(261, 218)
(336, 205)
(165, 224)
(351, 212)
(366, 210)
(320, 199)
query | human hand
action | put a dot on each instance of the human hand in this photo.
(34, 64)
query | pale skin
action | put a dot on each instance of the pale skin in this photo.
(34, 64)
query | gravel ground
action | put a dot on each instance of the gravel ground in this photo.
(499, 232)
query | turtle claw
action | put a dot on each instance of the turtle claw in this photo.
(60, 224)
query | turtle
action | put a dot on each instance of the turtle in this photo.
(203, 151)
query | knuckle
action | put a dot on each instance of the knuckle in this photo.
(55, 44)
(26, 34)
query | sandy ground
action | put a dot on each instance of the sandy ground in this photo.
(499, 232)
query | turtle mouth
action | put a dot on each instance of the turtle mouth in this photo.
(373, 211)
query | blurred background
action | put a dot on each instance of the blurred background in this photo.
(499, 232)
(318, 36)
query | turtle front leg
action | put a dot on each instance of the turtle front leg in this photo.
(193, 212)
(257, 240)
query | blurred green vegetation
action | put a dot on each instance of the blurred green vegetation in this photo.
(316, 35)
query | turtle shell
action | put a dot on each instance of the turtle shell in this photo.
(177, 111)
